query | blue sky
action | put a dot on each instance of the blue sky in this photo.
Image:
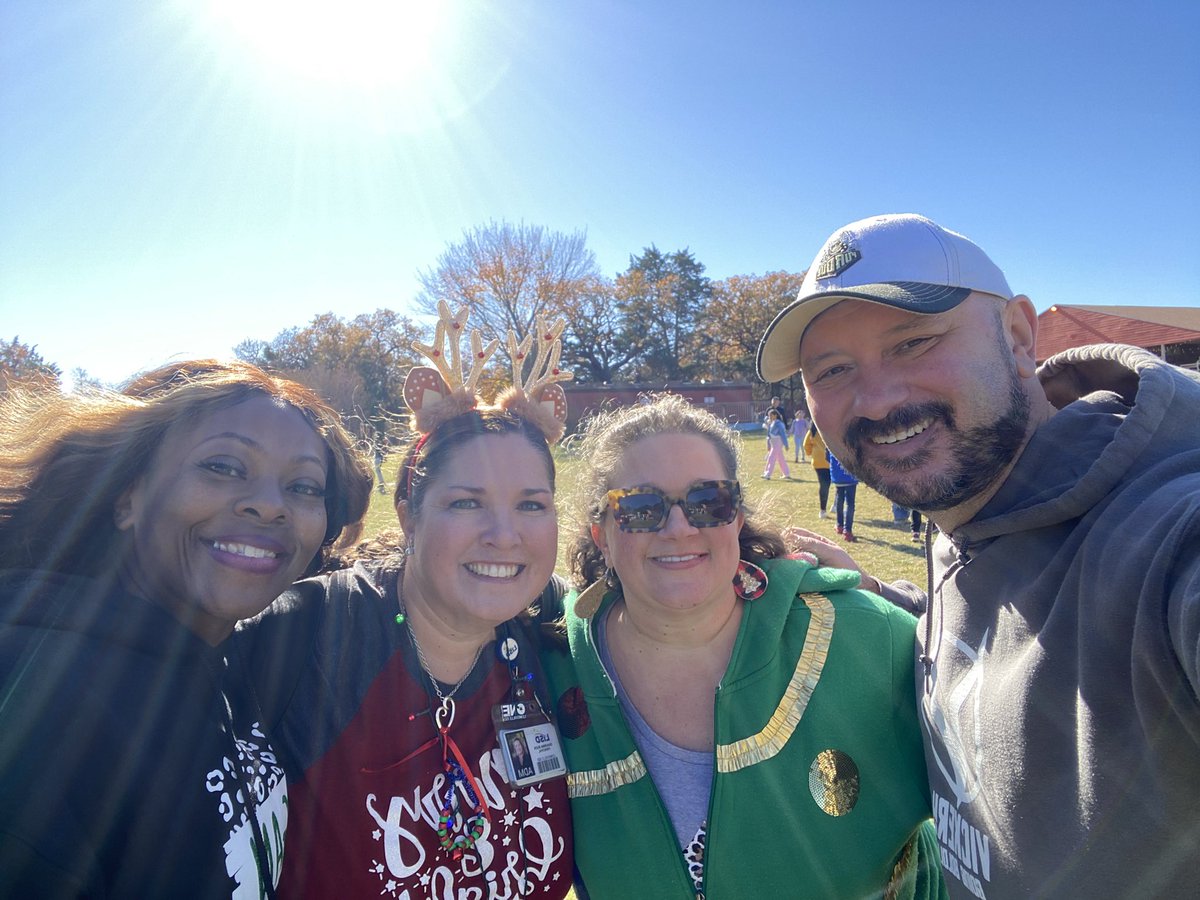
(177, 176)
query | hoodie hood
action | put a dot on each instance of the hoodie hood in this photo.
(1059, 647)
(1119, 407)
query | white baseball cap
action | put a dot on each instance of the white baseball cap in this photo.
(901, 260)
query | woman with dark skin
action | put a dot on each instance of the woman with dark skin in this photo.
(135, 530)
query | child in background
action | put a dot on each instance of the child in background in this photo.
(814, 446)
(776, 445)
(845, 487)
(902, 516)
(799, 430)
(916, 526)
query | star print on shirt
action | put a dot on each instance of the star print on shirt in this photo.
(534, 798)
(509, 818)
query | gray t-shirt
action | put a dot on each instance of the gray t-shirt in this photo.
(683, 777)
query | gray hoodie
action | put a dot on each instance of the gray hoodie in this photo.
(1060, 659)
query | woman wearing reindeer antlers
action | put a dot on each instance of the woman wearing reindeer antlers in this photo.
(395, 688)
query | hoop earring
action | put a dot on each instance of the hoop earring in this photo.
(750, 582)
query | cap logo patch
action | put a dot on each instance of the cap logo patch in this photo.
(839, 256)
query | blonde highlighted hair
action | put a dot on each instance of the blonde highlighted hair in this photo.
(65, 459)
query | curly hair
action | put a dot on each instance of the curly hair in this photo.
(603, 442)
(66, 459)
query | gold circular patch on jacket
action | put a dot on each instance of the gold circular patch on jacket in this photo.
(833, 780)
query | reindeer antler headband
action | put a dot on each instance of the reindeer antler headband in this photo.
(436, 395)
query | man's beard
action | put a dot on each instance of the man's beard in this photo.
(978, 456)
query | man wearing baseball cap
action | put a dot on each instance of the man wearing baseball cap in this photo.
(1059, 657)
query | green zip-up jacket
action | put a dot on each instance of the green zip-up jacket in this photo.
(819, 786)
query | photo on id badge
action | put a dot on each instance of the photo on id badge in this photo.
(520, 762)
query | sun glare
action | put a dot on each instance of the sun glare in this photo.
(336, 67)
(377, 45)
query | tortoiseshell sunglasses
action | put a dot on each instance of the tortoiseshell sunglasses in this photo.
(706, 504)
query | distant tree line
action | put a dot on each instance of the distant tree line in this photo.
(661, 320)
(22, 365)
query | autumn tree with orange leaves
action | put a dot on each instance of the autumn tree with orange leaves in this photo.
(738, 312)
(358, 365)
(22, 364)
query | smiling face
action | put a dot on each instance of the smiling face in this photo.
(929, 410)
(229, 514)
(486, 536)
(680, 567)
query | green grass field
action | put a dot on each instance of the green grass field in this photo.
(883, 549)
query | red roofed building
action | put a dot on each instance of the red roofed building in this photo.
(1172, 332)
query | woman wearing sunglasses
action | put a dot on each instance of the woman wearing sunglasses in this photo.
(735, 722)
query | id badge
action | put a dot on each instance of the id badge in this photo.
(529, 741)
(532, 753)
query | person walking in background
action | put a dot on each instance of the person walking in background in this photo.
(814, 446)
(845, 487)
(379, 482)
(916, 526)
(799, 429)
(902, 516)
(776, 446)
(777, 406)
